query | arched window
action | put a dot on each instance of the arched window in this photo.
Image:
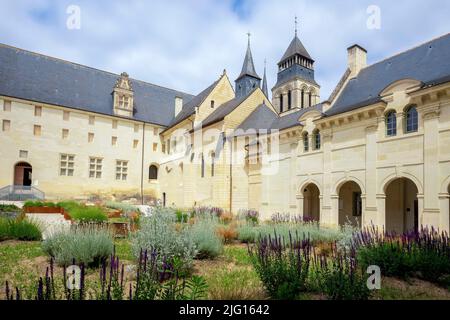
(310, 100)
(305, 142)
(212, 104)
(203, 166)
(289, 100)
(391, 124)
(213, 156)
(281, 103)
(303, 99)
(412, 120)
(153, 172)
(317, 140)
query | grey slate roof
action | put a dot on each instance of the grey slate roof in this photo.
(264, 118)
(189, 107)
(295, 47)
(428, 63)
(223, 110)
(39, 78)
(248, 67)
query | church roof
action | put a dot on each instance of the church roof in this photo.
(190, 106)
(296, 47)
(264, 118)
(428, 63)
(39, 78)
(248, 67)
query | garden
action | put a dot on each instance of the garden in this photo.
(111, 251)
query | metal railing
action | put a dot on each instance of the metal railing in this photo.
(21, 193)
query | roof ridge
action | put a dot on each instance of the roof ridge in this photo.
(408, 50)
(86, 66)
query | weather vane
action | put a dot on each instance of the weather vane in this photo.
(249, 35)
(296, 25)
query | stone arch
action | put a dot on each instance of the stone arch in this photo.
(343, 181)
(310, 197)
(401, 205)
(445, 185)
(385, 183)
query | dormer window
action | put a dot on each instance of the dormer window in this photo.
(123, 96)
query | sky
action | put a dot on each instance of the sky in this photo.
(186, 44)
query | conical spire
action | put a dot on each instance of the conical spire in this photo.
(248, 68)
(264, 84)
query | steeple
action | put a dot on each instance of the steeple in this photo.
(264, 84)
(248, 79)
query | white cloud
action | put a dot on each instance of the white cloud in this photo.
(186, 44)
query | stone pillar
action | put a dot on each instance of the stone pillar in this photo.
(430, 208)
(370, 203)
(381, 209)
(444, 207)
(334, 217)
(422, 216)
(326, 211)
(300, 201)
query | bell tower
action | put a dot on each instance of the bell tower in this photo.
(248, 80)
(296, 87)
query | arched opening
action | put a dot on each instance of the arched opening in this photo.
(411, 119)
(153, 172)
(402, 209)
(311, 202)
(391, 123)
(350, 204)
(23, 174)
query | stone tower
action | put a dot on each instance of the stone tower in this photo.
(248, 80)
(296, 87)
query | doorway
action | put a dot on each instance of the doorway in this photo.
(23, 174)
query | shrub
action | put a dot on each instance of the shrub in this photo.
(239, 284)
(200, 212)
(339, 276)
(89, 245)
(182, 217)
(283, 268)
(19, 229)
(227, 233)
(124, 207)
(159, 233)
(9, 208)
(251, 216)
(247, 233)
(207, 241)
(390, 257)
(86, 214)
(38, 204)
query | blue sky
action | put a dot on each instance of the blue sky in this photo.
(186, 44)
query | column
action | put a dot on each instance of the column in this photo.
(300, 201)
(370, 198)
(381, 210)
(444, 207)
(327, 202)
(334, 214)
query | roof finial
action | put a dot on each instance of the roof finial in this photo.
(249, 35)
(296, 25)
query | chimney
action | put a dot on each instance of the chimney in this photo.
(357, 59)
(178, 105)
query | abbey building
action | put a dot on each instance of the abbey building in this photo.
(377, 151)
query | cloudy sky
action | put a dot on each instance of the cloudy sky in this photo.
(186, 44)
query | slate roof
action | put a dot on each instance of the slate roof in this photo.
(248, 67)
(39, 78)
(264, 118)
(224, 109)
(295, 47)
(428, 63)
(189, 107)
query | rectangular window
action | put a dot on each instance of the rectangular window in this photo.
(155, 131)
(95, 167)
(67, 165)
(114, 141)
(91, 137)
(91, 120)
(202, 167)
(37, 130)
(213, 164)
(114, 124)
(37, 111)
(155, 147)
(23, 154)
(289, 100)
(163, 147)
(121, 170)
(6, 105)
(135, 144)
(6, 125)
(168, 146)
(357, 204)
(66, 115)
(65, 133)
(136, 128)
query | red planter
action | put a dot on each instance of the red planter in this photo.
(47, 210)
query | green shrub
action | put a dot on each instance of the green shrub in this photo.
(39, 204)
(68, 205)
(88, 214)
(19, 229)
(247, 233)
(206, 239)
(159, 233)
(182, 217)
(89, 245)
(124, 207)
(9, 208)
